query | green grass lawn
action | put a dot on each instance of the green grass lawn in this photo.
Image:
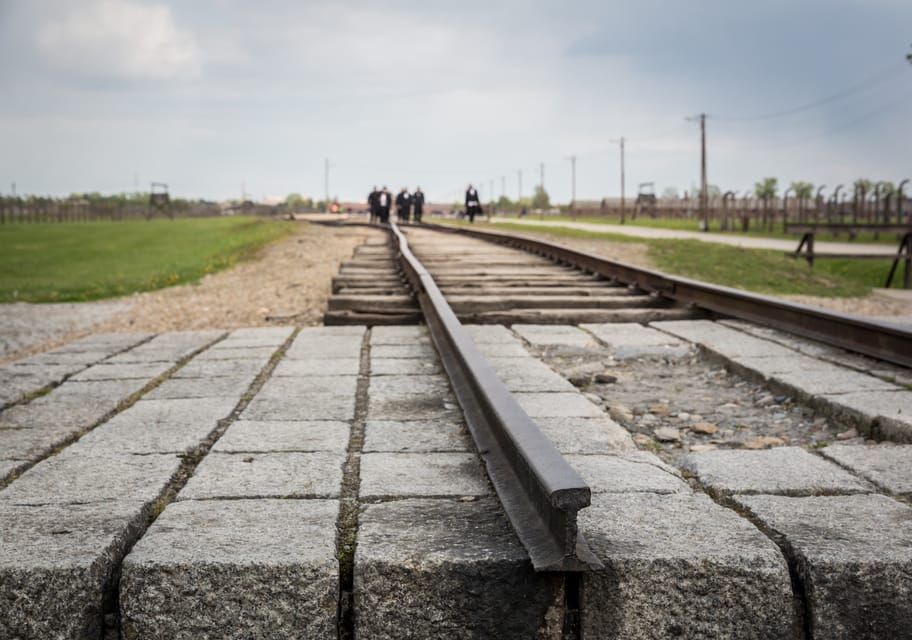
(92, 260)
(756, 270)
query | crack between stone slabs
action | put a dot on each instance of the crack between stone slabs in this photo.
(347, 522)
(189, 461)
(25, 398)
(800, 598)
(122, 406)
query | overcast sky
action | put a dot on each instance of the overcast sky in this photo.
(211, 96)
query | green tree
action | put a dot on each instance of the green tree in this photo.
(294, 200)
(766, 188)
(503, 202)
(670, 193)
(540, 199)
(803, 190)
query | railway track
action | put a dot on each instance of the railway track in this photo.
(495, 278)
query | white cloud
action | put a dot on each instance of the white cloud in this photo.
(121, 39)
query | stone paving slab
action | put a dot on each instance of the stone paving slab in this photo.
(317, 367)
(633, 471)
(312, 385)
(105, 371)
(266, 475)
(316, 406)
(586, 435)
(414, 406)
(234, 569)
(82, 476)
(416, 436)
(782, 470)
(722, 340)
(404, 366)
(159, 426)
(183, 388)
(412, 475)
(167, 347)
(246, 436)
(764, 368)
(306, 347)
(272, 335)
(420, 351)
(557, 405)
(528, 374)
(888, 466)
(830, 380)
(545, 335)
(55, 565)
(247, 353)
(488, 333)
(853, 557)
(73, 358)
(681, 566)
(433, 385)
(398, 335)
(446, 569)
(884, 414)
(503, 349)
(102, 391)
(221, 368)
(631, 334)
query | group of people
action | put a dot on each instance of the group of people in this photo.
(406, 203)
(380, 202)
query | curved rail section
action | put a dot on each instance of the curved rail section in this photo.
(877, 339)
(540, 492)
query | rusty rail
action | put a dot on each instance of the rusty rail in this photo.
(880, 340)
(540, 492)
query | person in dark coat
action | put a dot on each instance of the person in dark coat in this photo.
(384, 202)
(472, 203)
(372, 204)
(403, 205)
(418, 203)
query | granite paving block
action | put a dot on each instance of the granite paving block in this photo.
(8, 466)
(542, 335)
(82, 476)
(284, 435)
(404, 366)
(57, 563)
(783, 470)
(110, 342)
(446, 569)
(586, 435)
(266, 475)
(503, 349)
(95, 390)
(884, 414)
(179, 388)
(853, 558)
(416, 436)
(312, 385)
(249, 353)
(528, 374)
(720, 339)
(400, 335)
(221, 368)
(402, 384)
(831, 380)
(631, 334)
(343, 330)
(768, 367)
(887, 465)
(681, 566)
(317, 367)
(34, 443)
(316, 406)
(77, 358)
(413, 406)
(633, 471)
(274, 335)
(557, 405)
(158, 413)
(419, 351)
(485, 333)
(234, 569)
(168, 347)
(413, 475)
(139, 370)
(130, 433)
(305, 348)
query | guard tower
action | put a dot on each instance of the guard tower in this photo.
(159, 200)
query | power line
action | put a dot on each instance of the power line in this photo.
(887, 74)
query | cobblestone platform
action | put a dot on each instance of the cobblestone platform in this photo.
(322, 482)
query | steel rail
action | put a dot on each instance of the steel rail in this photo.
(880, 340)
(540, 492)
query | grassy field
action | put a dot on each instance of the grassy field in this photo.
(755, 270)
(692, 224)
(93, 260)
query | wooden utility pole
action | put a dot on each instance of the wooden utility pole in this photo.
(573, 181)
(519, 185)
(623, 211)
(704, 195)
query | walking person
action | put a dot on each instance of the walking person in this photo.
(472, 203)
(384, 202)
(418, 203)
(373, 205)
(403, 205)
